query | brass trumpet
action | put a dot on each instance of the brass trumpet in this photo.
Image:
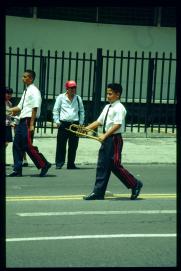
(82, 131)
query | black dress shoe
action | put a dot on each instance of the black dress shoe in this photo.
(45, 169)
(93, 196)
(136, 190)
(25, 164)
(15, 174)
(72, 167)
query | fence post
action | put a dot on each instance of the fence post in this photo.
(42, 80)
(149, 92)
(98, 84)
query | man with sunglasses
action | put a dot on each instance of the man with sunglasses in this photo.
(68, 109)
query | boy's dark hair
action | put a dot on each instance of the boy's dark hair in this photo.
(32, 73)
(9, 90)
(116, 87)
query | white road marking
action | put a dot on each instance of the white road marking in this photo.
(97, 213)
(90, 237)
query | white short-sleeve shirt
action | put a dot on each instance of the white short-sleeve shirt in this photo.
(32, 99)
(116, 115)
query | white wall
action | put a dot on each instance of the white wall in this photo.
(87, 37)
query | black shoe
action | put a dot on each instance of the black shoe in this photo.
(136, 190)
(93, 196)
(72, 167)
(25, 164)
(45, 169)
(15, 174)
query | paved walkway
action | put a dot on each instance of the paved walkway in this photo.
(138, 148)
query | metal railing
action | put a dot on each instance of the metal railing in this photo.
(148, 81)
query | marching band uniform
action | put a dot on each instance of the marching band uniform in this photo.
(30, 99)
(109, 157)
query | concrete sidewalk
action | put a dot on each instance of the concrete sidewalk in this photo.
(143, 148)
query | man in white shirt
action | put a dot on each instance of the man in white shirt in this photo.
(112, 119)
(68, 109)
(29, 106)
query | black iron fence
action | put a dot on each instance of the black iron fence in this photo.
(148, 80)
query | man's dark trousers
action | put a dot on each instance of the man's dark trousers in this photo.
(62, 137)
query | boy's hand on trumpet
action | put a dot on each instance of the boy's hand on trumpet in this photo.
(102, 137)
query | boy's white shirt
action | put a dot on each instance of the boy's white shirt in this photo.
(32, 100)
(116, 115)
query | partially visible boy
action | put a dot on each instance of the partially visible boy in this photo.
(112, 119)
(9, 122)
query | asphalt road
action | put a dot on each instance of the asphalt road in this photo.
(49, 225)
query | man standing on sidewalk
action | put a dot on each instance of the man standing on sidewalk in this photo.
(29, 106)
(68, 109)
